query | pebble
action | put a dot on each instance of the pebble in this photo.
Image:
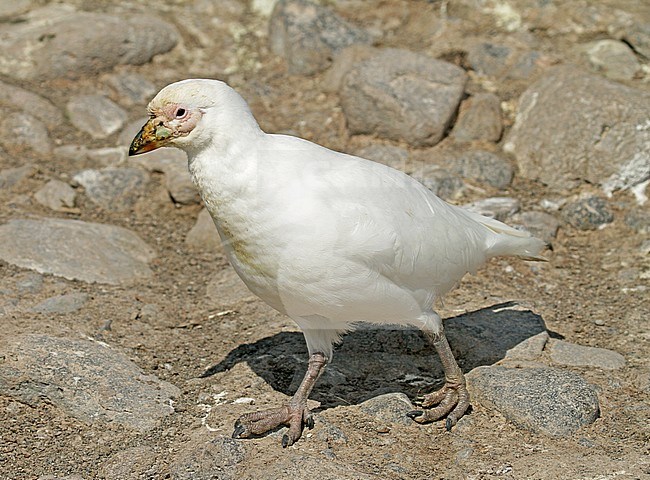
(489, 58)
(440, 181)
(638, 220)
(390, 155)
(57, 41)
(499, 208)
(587, 213)
(76, 250)
(503, 61)
(203, 235)
(22, 131)
(179, 184)
(530, 349)
(9, 177)
(56, 195)
(483, 167)
(479, 119)
(14, 97)
(88, 380)
(574, 127)
(544, 400)
(615, 59)
(540, 224)
(206, 460)
(67, 303)
(29, 282)
(308, 35)
(113, 188)
(422, 92)
(390, 408)
(572, 355)
(96, 115)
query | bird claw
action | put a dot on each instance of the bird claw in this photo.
(451, 401)
(258, 423)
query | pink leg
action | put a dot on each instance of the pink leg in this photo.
(452, 400)
(294, 414)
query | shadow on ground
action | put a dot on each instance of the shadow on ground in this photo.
(379, 359)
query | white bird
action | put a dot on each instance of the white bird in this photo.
(327, 238)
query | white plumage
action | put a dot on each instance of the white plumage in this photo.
(329, 239)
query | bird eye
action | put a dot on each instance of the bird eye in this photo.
(180, 112)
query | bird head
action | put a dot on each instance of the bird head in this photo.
(176, 115)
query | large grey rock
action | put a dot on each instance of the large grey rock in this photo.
(479, 119)
(214, 459)
(13, 97)
(57, 41)
(21, 131)
(570, 354)
(56, 195)
(95, 115)
(308, 35)
(90, 252)
(544, 400)
(575, 127)
(113, 188)
(587, 213)
(403, 96)
(88, 380)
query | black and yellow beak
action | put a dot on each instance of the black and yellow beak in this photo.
(154, 134)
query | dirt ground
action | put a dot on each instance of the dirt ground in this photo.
(587, 293)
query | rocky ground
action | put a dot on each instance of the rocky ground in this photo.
(129, 347)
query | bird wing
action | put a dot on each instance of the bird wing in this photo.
(383, 219)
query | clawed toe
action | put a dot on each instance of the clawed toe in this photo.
(451, 401)
(259, 423)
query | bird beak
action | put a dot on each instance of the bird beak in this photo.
(154, 134)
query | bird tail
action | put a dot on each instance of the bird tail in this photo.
(509, 241)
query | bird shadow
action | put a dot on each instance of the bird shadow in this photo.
(377, 359)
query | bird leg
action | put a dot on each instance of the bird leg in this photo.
(452, 400)
(294, 414)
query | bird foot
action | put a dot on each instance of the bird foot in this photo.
(451, 401)
(259, 423)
